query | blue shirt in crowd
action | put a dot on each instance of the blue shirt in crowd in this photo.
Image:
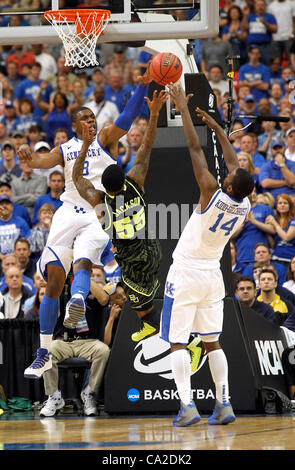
(280, 268)
(273, 171)
(251, 235)
(258, 160)
(257, 33)
(44, 199)
(21, 211)
(253, 73)
(119, 97)
(10, 231)
(30, 89)
(58, 119)
(23, 123)
(129, 165)
(284, 250)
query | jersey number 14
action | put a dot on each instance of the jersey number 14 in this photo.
(227, 226)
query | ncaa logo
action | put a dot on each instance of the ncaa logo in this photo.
(133, 394)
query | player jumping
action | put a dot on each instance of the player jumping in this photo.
(194, 290)
(137, 253)
(76, 234)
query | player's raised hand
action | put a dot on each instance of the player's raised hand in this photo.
(25, 153)
(178, 96)
(146, 78)
(88, 134)
(207, 119)
(157, 101)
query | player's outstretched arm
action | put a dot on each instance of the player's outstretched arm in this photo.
(84, 187)
(142, 160)
(229, 153)
(205, 179)
(109, 136)
(40, 160)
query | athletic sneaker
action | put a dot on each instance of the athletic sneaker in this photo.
(52, 405)
(89, 401)
(75, 311)
(187, 415)
(195, 352)
(222, 414)
(41, 364)
(145, 332)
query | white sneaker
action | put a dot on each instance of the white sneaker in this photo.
(89, 401)
(52, 405)
(75, 311)
(41, 364)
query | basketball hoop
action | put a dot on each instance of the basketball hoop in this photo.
(79, 29)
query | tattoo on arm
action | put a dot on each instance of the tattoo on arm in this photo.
(84, 186)
(141, 163)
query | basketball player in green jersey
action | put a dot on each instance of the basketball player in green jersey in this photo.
(137, 252)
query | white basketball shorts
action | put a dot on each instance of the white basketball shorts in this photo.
(74, 234)
(193, 303)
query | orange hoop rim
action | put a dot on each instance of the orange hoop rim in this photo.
(71, 14)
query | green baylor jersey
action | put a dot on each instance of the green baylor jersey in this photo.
(137, 253)
(125, 215)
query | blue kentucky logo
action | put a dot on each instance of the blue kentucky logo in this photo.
(170, 289)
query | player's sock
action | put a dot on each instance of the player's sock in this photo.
(48, 318)
(219, 371)
(81, 283)
(181, 369)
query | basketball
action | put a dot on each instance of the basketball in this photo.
(165, 68)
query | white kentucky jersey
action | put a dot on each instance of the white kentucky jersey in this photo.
(96, 161)
(204, 237)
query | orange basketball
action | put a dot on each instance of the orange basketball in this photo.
(165, 68)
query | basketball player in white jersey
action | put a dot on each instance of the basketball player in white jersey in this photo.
(194, 290)
(76, 234)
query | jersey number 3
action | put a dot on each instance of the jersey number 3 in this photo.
(86, 168)
(227, 226)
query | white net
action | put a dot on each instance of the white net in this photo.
(79, 36)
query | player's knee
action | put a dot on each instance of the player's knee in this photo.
(55, 281)
(214, 338)
(82, 263)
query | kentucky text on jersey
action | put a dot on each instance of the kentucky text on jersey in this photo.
(90, 153)
(232, 210)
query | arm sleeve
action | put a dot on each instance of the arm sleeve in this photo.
(132, 108)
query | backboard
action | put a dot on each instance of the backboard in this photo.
(141, 20)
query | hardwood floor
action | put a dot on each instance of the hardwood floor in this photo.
(27, 431)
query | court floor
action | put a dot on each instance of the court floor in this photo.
(26, 431)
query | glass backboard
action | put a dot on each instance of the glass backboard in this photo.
(139, 20)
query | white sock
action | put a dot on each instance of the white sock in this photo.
(219, 371)
(87, 390)
(56, 394)
(45, 341)
(181, 369)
